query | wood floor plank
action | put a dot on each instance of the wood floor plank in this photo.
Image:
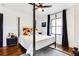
(11, 51)
(18, 50)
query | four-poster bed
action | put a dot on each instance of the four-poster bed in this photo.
(41, 41)
(35, 41)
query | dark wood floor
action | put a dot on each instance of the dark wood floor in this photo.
(18, 50)
(12, 51)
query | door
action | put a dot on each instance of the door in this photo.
(1, 30)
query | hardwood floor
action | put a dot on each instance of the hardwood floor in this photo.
(12, 51)
(65, 49)
(18, 50)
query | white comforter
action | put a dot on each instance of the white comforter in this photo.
(41, 41)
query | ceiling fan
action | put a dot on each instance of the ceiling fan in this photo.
(40, 6)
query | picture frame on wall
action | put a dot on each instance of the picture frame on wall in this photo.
(43, 24)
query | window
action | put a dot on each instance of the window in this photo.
(56, 27)
(53, 30)
(59, 22)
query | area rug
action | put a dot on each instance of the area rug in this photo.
(48, 52)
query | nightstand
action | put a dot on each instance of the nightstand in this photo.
(12, 41)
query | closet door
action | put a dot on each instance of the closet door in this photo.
(1, 30)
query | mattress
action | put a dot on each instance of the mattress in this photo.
(40, 42)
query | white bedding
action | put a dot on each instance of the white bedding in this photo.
(41, 41)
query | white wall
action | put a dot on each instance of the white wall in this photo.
(39, 19)
(76, 25)
(73, 26)
(70, 26)
(10, 23)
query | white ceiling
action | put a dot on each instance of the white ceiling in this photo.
(26, 8)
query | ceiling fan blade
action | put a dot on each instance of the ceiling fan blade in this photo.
(33, 4)
(47, 6)
(30, 3)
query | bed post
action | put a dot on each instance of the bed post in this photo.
(55, 31)
(55, 44)
(18, 26)
(33, 29)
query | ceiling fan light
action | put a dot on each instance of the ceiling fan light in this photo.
(40, 9)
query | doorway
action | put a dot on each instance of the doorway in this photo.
(1, 30)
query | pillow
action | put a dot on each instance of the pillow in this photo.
(26, 31)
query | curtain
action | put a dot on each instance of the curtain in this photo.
(48, 25)
(64, 33)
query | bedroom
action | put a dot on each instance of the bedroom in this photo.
(13, 12)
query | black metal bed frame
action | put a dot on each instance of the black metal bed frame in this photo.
(34, 32)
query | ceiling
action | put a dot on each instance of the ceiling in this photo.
(27, 8)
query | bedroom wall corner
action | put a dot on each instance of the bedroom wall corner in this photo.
(10, 21)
